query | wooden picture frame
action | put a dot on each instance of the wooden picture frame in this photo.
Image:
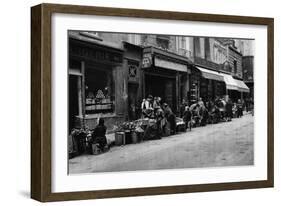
(41, 118)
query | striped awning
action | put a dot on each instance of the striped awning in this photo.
(242, 87)
(209, 74)
(234, 84)
(229, 82)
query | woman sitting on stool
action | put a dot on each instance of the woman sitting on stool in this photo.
(98, 135)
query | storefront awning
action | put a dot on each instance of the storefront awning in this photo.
(234, 84)
(229, 82)
(242, 87)
(209, 74)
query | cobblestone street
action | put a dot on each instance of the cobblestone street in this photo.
(223, 144)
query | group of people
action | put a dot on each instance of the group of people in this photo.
(212, 111)
(199, 113)
(165, 119)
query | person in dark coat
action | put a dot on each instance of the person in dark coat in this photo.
(171, 118)
(98, 135)
(152, 132)
(239, 108)
(159, 115)
(204, 114)
(182, 108)
(228, 110)
(187, 115)
(215, 115)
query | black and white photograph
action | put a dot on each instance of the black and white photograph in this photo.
(158, 101)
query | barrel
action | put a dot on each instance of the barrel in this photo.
(134, 137)
(128, 137)
(119, 138)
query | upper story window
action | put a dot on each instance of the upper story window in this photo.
(183, 46)
(199, 45)
(219, 54)
(182, 42)
(163, 41)
(134, 39)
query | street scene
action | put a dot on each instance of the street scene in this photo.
(154, 101)
(226, 144)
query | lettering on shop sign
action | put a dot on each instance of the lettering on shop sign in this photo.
(95, 54)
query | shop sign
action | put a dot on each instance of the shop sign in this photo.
(206, 63)
(95, 54)
(170, 65)
(132, 73)
(146, 60)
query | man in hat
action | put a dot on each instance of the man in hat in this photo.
(147, 109)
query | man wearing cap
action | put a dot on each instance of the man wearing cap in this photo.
(147, 109)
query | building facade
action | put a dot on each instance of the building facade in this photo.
(111, 73)
(246, 47)
(101, 75)
(248, 74)
(220, 64)
(210, 56)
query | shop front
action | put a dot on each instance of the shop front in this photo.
(165, 75)
(132, 65)
(211, 83)
(234, 87)
(95, 84)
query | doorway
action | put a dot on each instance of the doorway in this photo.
(164, 87)
(72, 101)
(133, 101)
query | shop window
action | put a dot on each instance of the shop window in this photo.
(99, 90)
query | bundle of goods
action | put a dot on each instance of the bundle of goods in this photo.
(180, 125)
(130, 132)
(79, 141)
(152, 131)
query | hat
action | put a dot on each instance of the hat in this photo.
(150, 96)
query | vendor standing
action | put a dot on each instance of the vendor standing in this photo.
(146, 106)
(239, 108)
(187, 115)
(228, 110)
(160, 120)
(171, 118)
(156, 103)
(182, 108)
